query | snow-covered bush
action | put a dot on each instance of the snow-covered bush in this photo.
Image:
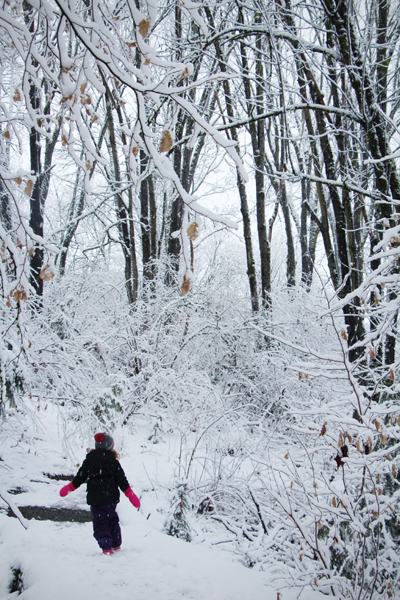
(326, 491)
(176, 525)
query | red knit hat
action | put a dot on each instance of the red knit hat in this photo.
(103, 441)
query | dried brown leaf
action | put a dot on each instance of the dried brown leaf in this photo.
(185, 286)
(144, 27)
(17, 96)
(19, 295)
(6, 134)
(185, 74)
(29, 187)
(166, 141)
(65, 98)
(193, 231)
(323, 430)
(66, 69)
(18, 180)
(47, 273)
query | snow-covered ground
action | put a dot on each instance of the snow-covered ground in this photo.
(61, 561)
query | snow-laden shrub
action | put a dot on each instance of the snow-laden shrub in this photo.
(320, 503)
(176, 524)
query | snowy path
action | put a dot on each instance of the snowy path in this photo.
(61, 561)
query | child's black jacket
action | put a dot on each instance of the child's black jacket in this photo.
(104, 475)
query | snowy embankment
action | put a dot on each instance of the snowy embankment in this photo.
(61, 560)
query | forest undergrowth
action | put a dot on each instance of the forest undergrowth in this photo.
(279, 445)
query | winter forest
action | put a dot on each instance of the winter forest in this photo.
(200, 239)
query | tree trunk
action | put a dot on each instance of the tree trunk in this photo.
(257, 133)
(174, 246)
(152, 225)
(291, 257)
(244, 208)
(144, 219)
(36, 199)
(121, 210)
(5, 206)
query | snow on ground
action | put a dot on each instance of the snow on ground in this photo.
(62, 560)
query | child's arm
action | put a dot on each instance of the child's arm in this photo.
(67, 489)
(79, 478)
(133, 499)
(125, 487)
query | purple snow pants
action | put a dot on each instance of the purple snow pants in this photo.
(106, 527)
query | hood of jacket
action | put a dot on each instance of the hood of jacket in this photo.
(103, 461)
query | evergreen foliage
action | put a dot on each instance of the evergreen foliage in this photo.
(17, 582)
(177, 525)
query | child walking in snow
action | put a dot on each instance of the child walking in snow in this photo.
(104, 476)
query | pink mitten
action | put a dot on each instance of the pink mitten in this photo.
(67, 489)
(132, 498)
